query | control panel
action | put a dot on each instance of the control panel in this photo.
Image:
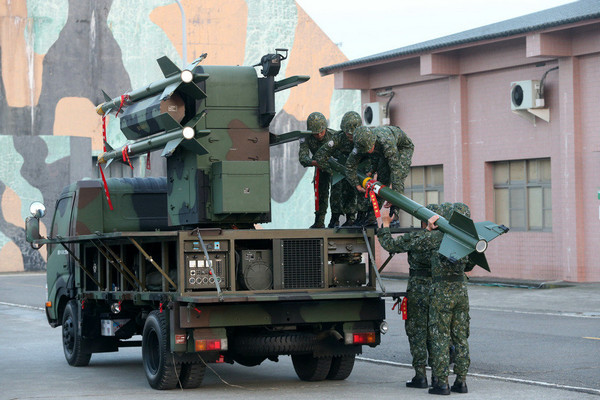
(198, 274)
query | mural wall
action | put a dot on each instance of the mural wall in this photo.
(56, 57)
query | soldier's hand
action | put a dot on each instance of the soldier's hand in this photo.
(360, 189)
(431, 222)
(314, 163)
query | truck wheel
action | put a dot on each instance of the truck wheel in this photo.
(161, 370)
(341, 367)
(72, 340)
(191, 375)
(309, 368)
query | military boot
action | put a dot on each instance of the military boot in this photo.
(335, 219)
(350, 220)
(441, 387)
(419, 380)
(319, 221)
(434, 380)
(460, 384)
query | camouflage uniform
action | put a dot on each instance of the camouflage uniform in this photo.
(391, 158)
(309, 146)
(343, 195)
(418, 292)
(449, 308)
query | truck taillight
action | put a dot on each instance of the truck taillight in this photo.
(210, 344)
(364, 338)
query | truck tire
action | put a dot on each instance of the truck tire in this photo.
(275, 344)
(159, 364)
(341, 367)
(191, 375)
(72, 340)
(309, 368)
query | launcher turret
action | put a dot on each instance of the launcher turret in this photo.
(211, 123)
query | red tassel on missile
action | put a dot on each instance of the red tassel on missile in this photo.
(404, 307)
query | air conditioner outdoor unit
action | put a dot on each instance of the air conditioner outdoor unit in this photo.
(373, 114)
(524, 95)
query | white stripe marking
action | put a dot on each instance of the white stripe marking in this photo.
(21, 306)
(500, 378)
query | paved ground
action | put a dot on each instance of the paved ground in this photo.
(33, 365)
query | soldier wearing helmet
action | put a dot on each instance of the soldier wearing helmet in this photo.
(317, 124)
(343, 196)
(417, 293)
(389, 151)
(448, 310)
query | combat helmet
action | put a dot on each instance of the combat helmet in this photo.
(462, 208)
(446, 210)
(436, 208)
(350, 121)
(316, 122)
(364, 139)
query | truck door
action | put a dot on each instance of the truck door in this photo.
(59, 261)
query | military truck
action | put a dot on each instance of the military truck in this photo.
(178, 259)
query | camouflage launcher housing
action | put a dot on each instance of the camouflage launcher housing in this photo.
(219, 174)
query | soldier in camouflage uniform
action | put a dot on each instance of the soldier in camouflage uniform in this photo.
(389, 151)
(449, 311)
(317, 123)
(418, 289)
(343, 196)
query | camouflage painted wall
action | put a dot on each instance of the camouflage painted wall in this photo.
(57, 55)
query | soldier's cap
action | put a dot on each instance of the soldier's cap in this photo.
(364, 139)
(316, 122)
(350, 121)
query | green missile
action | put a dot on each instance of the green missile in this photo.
(462, 237)
(174, 79)
(167, 141)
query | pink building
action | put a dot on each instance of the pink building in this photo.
(504, 118)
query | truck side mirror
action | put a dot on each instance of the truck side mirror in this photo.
(32, 224)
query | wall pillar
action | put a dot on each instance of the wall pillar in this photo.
(567, 178)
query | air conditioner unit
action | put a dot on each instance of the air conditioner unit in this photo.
(374, 114)
(524, 95)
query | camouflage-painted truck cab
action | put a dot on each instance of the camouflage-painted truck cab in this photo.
(178, 260)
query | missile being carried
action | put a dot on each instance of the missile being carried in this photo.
(462, 237)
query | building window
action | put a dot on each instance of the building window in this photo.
(522, 194)
(425, 185)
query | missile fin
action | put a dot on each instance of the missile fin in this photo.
(168, 67)
(108, 147)
(171, 147)
(489, 230)
(453, 249)
(479, 259)
(192, 90)
(463, 223)
(106, 96)
(195, 147)
(194, 121)
(336, 178)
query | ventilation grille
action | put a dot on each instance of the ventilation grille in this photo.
(302, 263)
